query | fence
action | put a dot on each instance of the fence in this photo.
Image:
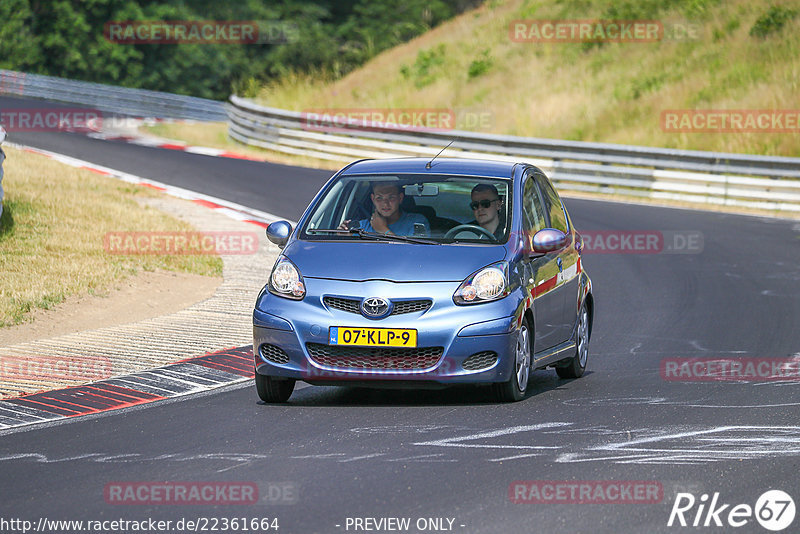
(763, 182)
(111, 99)
(2, 159)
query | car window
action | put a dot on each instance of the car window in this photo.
(434, 204)
(553, 206)
(332, 207)
(532, 208)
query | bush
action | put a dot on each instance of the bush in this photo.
(480, 66)
(772, 21)
(424, 69)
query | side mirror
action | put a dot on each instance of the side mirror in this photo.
(549, 240)
(279, 232)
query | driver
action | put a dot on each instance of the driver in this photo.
(388, 218)
(486, 205)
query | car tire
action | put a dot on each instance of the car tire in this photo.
(273, 391)
(577, 364)
(514, 389)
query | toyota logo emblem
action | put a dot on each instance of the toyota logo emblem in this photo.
(374, 307)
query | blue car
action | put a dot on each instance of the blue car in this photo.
(425, 273)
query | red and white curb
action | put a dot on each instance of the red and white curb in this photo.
(185, 377)
(224, 207)
(171, 145)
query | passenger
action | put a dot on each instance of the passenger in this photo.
(387, 217)
(487, 207)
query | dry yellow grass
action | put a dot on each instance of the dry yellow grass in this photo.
(51, 237)
(612, 93)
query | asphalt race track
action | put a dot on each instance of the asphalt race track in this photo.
(338, 453)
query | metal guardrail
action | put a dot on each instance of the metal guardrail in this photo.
(771, 183)
(111, 99)
(2, 158)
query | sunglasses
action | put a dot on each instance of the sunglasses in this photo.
(482, 203)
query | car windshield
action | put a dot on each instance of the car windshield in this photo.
(411, 208)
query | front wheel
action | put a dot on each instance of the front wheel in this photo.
(577, 364)
(514, 389)
(273, 391)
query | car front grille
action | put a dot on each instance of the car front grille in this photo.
(338, 303)
(410, 306)
(480, 360)
(273, 353)
(354, 305)
(374, 357)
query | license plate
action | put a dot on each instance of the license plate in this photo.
(373, 337)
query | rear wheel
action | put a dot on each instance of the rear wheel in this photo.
(514, 389)
(272, 390)
(577, 364)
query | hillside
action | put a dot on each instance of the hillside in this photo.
(741, 55)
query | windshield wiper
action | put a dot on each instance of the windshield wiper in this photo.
(363, 234)
(327, 230)
(394, 237)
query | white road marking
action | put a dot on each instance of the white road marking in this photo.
(420, 457)
(680, 446)
(363, 457)
(518, 456)
(318, 456)
(458, 441)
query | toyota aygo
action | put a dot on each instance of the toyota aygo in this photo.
(425, 273)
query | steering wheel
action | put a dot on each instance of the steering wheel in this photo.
(477, 230)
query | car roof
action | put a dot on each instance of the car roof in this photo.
(458, 166)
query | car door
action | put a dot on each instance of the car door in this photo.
(566, 258)
(541, 271)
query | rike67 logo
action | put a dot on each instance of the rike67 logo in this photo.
(774, 510)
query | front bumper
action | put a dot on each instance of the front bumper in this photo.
(300, 330)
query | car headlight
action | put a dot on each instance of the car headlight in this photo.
(485, 285)
(285, 280)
